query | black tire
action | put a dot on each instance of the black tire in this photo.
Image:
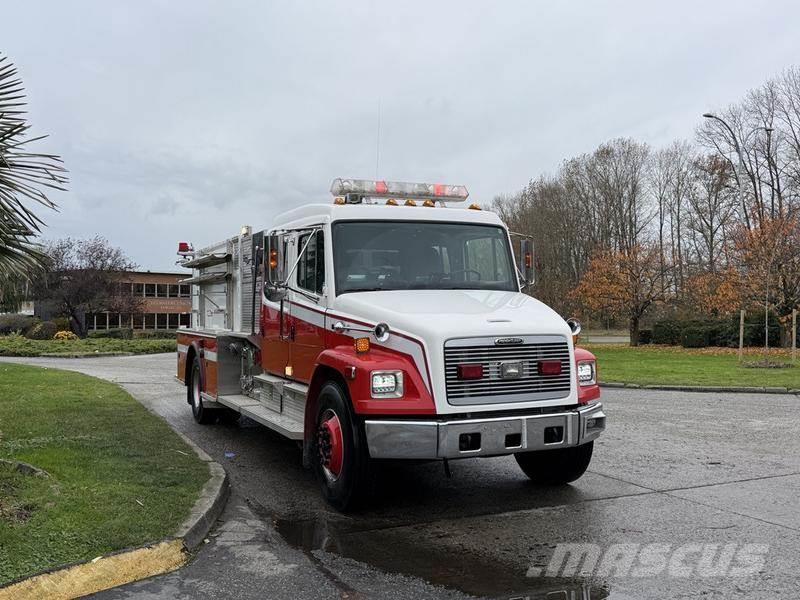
(556, 467)
(348, 488)
(201, 414)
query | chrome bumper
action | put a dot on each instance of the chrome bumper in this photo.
(484, 437)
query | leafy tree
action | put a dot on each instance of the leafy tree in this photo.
(24, 178)
(714, 294)
(85, 276)
(626, 284)
(769, 257)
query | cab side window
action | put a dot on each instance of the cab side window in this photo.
(311, 268)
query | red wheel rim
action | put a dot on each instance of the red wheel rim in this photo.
(331, 445)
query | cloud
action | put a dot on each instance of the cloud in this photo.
(188, 119)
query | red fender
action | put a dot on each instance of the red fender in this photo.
(586, 393)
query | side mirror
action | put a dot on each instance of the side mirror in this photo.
(526, 261)
(273, 292)
(275, 260)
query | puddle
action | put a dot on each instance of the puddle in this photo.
(389, 551)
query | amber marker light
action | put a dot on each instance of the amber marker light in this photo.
(361, 345)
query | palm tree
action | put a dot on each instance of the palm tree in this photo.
(24, 179)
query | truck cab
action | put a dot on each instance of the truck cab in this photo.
(389, 323)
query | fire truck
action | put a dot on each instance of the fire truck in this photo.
(389, 323)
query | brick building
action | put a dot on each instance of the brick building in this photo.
(166, 303)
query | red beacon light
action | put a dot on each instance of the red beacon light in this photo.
(185, 249)
(355, 190)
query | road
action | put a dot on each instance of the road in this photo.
(673, 468)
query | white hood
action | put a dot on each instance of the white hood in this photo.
(435, 316)
(445, 314)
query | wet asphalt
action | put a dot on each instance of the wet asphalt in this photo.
(673, 468)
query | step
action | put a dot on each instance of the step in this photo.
(236, 401)
(283, 424)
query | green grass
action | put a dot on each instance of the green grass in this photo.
(654, 365)
(17, 345)
(119, 476)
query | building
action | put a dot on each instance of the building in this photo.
(165, 303)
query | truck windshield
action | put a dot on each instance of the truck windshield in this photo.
(409, 255)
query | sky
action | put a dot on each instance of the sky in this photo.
(183, 120)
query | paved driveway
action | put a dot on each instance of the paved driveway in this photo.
(694, 473)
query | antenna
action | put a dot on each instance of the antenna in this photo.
(378, 141)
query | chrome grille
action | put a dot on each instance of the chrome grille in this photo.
(492, 387)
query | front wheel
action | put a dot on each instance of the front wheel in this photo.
(341, 459)
(555, 467)
(194, 390)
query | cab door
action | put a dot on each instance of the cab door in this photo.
(308, 305)
(275, 312)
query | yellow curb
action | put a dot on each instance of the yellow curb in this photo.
(100, 574)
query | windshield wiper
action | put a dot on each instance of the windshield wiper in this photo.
(364, 289)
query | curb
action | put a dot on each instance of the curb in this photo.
(126, 566)
(83, 354)
(702, 388)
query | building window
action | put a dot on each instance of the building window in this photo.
(138, 289)
(161, 290)
(184, 291)
(149, 320)
(161, 321)
(101, 321)
(138, 321)
(172, 321)
(186, 319)
(149, 290)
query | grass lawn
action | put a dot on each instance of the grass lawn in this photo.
(653, 365)
(119, 476)
(17, 345)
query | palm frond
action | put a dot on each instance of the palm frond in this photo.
(25, 178)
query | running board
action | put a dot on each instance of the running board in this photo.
(253, 409)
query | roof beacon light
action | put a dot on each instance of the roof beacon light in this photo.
(185, 249)
(396, 189)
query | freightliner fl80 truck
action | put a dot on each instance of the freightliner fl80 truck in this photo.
(389, 323)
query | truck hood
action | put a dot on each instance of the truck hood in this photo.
(438, 315)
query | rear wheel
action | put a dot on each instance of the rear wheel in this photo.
(555, 467)
(194, 390)
(341, 460)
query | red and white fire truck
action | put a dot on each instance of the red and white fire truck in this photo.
(388, 323)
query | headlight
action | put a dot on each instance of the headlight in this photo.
(587, 372)
(386, 384)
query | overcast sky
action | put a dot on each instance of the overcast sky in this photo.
(183, 120)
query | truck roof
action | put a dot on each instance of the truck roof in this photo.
(314, 214)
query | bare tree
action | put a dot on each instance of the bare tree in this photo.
(85, 276)
(712, 207)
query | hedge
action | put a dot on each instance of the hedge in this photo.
(16, 323)
(697, 333)
(116, 334)
(42, 331)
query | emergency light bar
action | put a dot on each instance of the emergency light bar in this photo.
(398, 189)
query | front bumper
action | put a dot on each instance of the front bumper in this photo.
(431, 439)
